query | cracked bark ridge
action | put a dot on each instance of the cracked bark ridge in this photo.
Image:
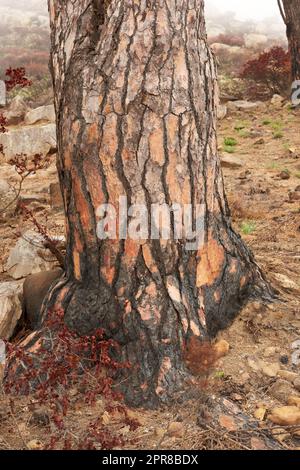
(135, 95)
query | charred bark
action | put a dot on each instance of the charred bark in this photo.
(135, 98)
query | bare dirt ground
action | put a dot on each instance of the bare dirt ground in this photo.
(229, 410)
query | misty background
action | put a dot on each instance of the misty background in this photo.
(237, 32)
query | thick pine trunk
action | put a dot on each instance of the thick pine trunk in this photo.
(135, 94)
(291, 15)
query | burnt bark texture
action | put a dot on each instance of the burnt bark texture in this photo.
(135, 95)
(290, 11)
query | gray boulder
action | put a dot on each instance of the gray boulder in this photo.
(244, 105)
(41, 114)
(231, 162)
(29, 256)
(29, 140)
(10, 307)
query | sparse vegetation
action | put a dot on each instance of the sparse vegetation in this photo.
(248, 227)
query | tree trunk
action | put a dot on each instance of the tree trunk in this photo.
(290, 11)
(135, 94)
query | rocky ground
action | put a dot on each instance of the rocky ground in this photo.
(251, 399)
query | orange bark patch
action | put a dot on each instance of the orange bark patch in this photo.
(156, 144)
(76, 262)
(211, 263)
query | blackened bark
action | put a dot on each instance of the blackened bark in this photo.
(136, 104)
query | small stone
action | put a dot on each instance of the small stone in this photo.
(297, 384)
(284, 175)
(233, 163)
(280, 434)
(292, 150)
(35, 444)
(294, 401)
(221, 348)
(277, 100)
(159, 432)
(176, 429)
(269, 352)
(285, 416)
(287, 375)
(228, 423)
(259, 141)
(270, 370)
(260, 414)
(258, 444)
(253, 364)
(280, 390)
(294, 196)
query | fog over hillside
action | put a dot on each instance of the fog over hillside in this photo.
(230, 16)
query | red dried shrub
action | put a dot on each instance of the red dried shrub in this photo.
(269, 73)
(67, 361)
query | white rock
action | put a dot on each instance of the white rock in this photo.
(29, 140)
(244, 105)
(232, 162)
(41, 114)
(25, 258)
(10, 307)
(277, 100)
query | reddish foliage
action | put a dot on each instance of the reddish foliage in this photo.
(271, 70)
(16, 77)
(67, 361)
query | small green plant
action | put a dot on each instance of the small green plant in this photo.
(273, 166)
(230, 142)
(240, 125)
(278, 135)
(244, 133)
(286, 171)
(220, 374)
(277, 125)
(267, 122)
(229, 149)
(248, 227)
(298, 175)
